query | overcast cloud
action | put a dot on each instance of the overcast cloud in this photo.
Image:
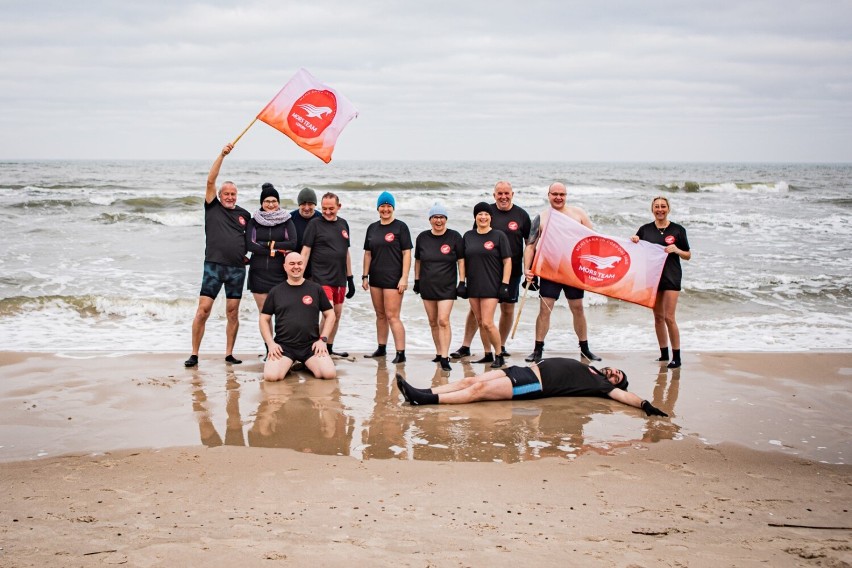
(491, 80)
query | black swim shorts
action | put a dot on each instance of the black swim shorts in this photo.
(298, 353)
(525, 383)
(551, 289)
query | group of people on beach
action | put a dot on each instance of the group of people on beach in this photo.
(300, 273)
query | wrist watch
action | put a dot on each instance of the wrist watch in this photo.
(324, 339)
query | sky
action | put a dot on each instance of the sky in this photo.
(653, 80)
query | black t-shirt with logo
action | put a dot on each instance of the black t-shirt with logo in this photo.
(483, 262)
(672, 272)
(386, 243)
(438, 256)
(296, 310)
(225, 231)
(329, 243)
(516, 224)
(562, 376)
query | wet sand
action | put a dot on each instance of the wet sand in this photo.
(110, 459)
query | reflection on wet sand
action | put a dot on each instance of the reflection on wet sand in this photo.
(364, 417)
(233, 423)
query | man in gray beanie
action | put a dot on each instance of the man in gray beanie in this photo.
(307, 212)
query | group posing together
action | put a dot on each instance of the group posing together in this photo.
(300, 273)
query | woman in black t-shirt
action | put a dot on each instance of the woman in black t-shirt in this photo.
(673, 237)
(488, 266)
(438, 266)
(387, 259)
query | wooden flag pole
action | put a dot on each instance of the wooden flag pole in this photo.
(521, 308)
(237, 139)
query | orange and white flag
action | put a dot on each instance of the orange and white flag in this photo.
(570, 253)
(311, 113)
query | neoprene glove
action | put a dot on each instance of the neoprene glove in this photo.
(534, 284)
(416, 286)
(350, 284)
(504, 294)
(461, 290)
(652, 410)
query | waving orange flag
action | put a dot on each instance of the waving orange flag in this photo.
(311, 113)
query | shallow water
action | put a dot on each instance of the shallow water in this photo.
(107, 256)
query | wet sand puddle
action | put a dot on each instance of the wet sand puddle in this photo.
(756, 400)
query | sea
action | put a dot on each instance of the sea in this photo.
(107, 255)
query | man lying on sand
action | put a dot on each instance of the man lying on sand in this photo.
(558, 376)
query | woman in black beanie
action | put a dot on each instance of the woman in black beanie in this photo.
(270, 235)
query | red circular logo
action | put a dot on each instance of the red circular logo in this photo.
(513, 226)
(445, 249)
(389, 237)
(345, 233)
(312, 113)
(488, 245)
(670, 239)
(599, 261)
(307, 300)
(242, 221)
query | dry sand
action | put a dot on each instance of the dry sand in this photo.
(733, 478)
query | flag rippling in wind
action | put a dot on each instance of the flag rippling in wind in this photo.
(570, 253)
(311, 113)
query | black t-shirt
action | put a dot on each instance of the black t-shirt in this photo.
(516, 224)
(301, 224)
(561, 376)
(673, 234)
(386, 243)
(329, 243)
(296, 310)
(483, 262)
(225, 231)
(438, 256)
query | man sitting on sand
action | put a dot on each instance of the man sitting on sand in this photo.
(297, 304)
(558, 376)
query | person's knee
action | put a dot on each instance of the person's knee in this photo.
(477, 389)
(443, 322)
(576, 307)
(271, 374)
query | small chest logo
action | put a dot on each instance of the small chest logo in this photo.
(513, 226)
(670, 239)
(312, 113)
(389, 237)
(345, 233)
(599, 261)
(307, 300)
(488, 245)
(241, 220)
(445, 249)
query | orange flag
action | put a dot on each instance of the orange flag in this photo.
(311, 113)
(570, 253)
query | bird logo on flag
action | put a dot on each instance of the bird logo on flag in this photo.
(315, 111)
(601, 262)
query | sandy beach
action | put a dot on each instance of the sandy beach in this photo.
(131, 459)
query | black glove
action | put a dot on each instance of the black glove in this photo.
(504, 294)
(533, 287)
(350, 284)
(652, 410)
(461, 290)
(416, 286)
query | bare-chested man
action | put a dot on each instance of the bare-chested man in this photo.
(548, 290)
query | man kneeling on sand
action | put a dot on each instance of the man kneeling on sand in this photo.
(558, 376)
(297, 304)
